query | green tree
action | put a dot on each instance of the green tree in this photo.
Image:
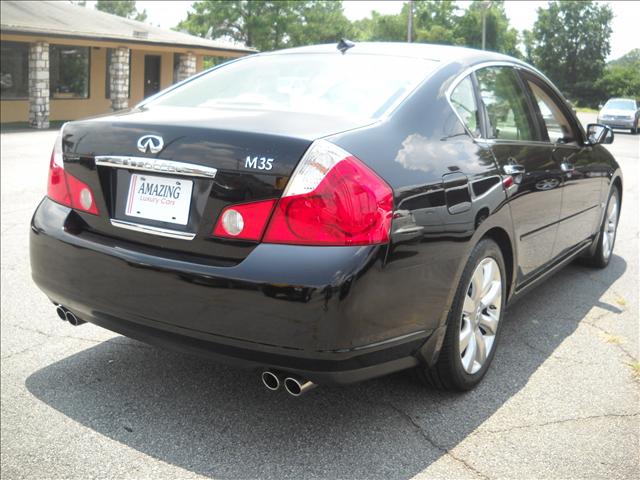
(500, 37)
(320, 22)
(629, 59)
(439, 22)
(570, 42)
(435, 21)
(122, 8)
(621, 77)
(381, 28)
(268, 25)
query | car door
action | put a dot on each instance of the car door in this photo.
(581, 179)
(515, 139)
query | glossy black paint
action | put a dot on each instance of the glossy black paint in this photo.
(208, 137)
(333, 314)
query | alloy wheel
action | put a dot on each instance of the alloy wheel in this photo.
(480, 315)
(610, 225)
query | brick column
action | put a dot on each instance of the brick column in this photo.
(119, 75)
(39, 85)
(186, 66)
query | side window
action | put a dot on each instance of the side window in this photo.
(506, 103)
(464, 101)
(557, 124)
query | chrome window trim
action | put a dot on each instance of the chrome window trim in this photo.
(503, 141)
(156, 165)
(162, 232)
(468, 71)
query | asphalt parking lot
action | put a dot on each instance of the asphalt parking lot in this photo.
(560, 401)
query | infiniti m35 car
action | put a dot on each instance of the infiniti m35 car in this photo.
(327, 215)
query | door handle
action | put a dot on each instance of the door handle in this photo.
(511, 169)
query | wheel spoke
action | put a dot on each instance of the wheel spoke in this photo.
(490, 297)
(465, 336)
(476, 284)
(487, 273)
(469, 306)
(470, 354)
(489, 322)
(612, 219)
(481, 348)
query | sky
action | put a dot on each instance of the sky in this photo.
(522, 14)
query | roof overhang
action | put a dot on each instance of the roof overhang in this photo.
(19, 34)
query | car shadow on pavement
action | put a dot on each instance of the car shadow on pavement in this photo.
(218, 421)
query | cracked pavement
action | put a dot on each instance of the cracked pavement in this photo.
(560, 401)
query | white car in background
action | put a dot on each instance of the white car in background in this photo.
(623, 113)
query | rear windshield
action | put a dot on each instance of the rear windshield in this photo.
(621, 104)
(332, 84)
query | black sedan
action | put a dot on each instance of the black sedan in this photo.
(327, 215)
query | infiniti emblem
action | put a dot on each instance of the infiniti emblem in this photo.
(150, 143)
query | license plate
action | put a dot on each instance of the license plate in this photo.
(159, 198)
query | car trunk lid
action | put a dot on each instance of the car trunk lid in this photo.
(212, 158)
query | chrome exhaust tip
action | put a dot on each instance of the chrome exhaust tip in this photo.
(62, 313)
(73, 320)
(270, 380)
(296, 387)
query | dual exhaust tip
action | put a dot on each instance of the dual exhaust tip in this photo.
(293, 385)
(68, 316)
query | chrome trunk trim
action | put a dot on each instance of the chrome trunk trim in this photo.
(162, 232)
(156, 165)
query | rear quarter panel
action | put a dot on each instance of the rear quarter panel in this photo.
(447, 192)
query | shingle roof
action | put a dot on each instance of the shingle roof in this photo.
(65, 19)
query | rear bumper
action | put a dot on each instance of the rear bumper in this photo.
(314, 311)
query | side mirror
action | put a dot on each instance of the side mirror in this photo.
(600, 106)
(597, 133)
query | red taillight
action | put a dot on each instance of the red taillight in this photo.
(81, 195)
(57, 188)
(65, 188)
(245, 221)
(332, 199)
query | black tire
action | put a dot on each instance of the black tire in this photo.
(599, 258)
(448, 373)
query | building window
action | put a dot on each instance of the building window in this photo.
(14, 71)
(69, 71)
(107, 80)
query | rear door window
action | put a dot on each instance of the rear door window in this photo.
(510, 117)
(463, 100)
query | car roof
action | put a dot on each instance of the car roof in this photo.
(428, 51)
